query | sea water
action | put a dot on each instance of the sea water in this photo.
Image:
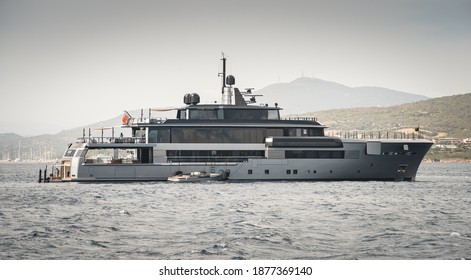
(426, 219)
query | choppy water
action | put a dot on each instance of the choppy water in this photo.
(427, 219)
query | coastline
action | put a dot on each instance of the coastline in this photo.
(449, 160)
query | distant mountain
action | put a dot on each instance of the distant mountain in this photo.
(10, 137)
(310, 94)
(438, 117)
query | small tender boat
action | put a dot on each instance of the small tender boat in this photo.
(195, 177)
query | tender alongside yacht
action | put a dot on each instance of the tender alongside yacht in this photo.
(197, 177)
(235, 140)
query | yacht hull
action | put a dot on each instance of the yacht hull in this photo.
(382, 160)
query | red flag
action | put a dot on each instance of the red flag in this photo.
(126, 118)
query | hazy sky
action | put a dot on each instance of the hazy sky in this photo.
(68, 63)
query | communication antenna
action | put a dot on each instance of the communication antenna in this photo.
(223, 74)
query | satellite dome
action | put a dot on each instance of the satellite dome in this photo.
(230, 80)
(194, 98)
(187, 99)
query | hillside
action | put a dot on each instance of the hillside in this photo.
(448, 115)
(8, 137)
(305, 95)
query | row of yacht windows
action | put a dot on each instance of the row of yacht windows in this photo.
(289, 171)
(224, 135)
(314, 154)
(230, 114)
(213, 156)
(215, 153)
(243, 155)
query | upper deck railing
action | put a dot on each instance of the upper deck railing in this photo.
(313, 119)
(376, 135)
(112, 140)
(146, 121)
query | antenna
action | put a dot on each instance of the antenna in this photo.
(223, 73)
(248, 93)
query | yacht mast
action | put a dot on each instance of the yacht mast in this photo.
(223, 73)
(227, 83)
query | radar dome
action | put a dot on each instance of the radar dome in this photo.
(195, 98)
(187, 99)
(230, 80)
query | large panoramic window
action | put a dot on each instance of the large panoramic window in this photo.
(161, 135)
(237, 114)
(303, 132)
(210, 114)
(273, 115)
(222, 135)
(314, 154)
(212, 155)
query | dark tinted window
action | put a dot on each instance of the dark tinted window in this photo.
(69, 153)
(161, 135)
(218, 135)
(209, 114)
(314, 154)
(263, 114)
(212, 155)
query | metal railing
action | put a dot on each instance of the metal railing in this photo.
(111, 140)
(376, 135)
(136, 121)
(300, 119)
